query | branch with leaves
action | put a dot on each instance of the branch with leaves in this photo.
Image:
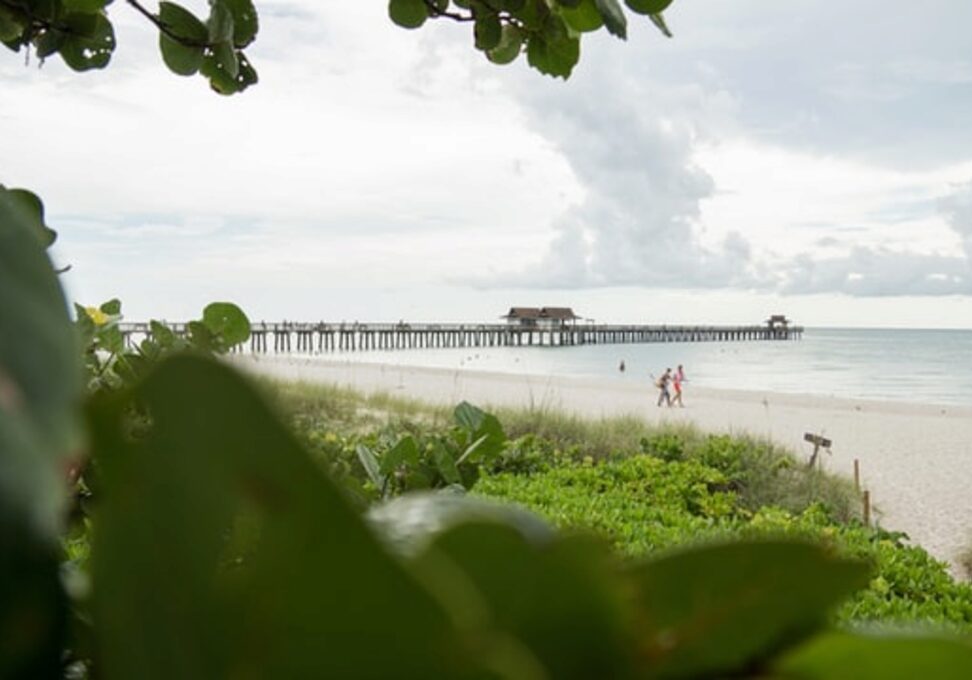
(81, 32)
(549, 31)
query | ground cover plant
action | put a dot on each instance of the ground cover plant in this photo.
(645, 489)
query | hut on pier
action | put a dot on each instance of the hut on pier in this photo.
(556, 317)
(523, 317)
(540, 317)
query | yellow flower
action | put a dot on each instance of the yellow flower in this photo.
(96, 315)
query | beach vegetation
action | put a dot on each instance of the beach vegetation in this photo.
(642, 504)
(645, 489)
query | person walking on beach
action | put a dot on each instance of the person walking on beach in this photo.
(677, 379)
(663, 383)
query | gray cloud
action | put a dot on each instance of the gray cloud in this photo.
(629, 142)
(878, 272)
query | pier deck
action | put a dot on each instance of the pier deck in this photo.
(283, 337)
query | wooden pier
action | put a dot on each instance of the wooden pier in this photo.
(309, 338)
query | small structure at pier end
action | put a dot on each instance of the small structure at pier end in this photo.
(778, 325)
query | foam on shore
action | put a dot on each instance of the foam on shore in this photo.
(916, 459)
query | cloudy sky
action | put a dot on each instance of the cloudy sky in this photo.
(772, 157)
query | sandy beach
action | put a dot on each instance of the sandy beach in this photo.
(915, 459)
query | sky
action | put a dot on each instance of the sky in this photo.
(770, 158)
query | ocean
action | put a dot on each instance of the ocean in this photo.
(927, 366)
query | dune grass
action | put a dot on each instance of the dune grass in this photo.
(762, 473)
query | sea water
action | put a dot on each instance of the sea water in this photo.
(928, 366)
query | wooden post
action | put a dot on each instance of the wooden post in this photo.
(867, 508)
(857, 475)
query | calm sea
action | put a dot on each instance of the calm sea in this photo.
(931, 366)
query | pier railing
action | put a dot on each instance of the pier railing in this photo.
(287, 336)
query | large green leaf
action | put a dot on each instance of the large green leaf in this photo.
(553, 55)
(562, 599)
(408, 13)
(219, 77)
(245, 21)
(613, 15)
(33, 607)
(40, 382)
(220, 22)
(89, 43)
(223, 551)
(479, 424)
(720, 608)
(32, 211)
(228, 322)
(40, 377)
(85, 6)
(403, 454)
(841, 656)
(487, 32)
(583, 18)
(11, 25)
(181, 58)
(408, 523)
(648, 6)
(509, 47)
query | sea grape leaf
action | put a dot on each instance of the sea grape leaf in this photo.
(648, 6)
(487, 32)
(220, 23)
(40, 383)
(722, 607)
(164, 336)
(509, 46)
(553, 56)
(245, 21)
(89, 43)
(85, 6)
(33, 606)
(583, 18)
(220, 78)
(614, 19)
(40, 376)
(224, 551)
(561, 598)
(181, 58)
(31, 209)
(112, 307)
(11, 25)
(408, 523)
(843, 656)
(228, 322)
(408, 13)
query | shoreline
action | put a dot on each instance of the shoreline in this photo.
(915, 458)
